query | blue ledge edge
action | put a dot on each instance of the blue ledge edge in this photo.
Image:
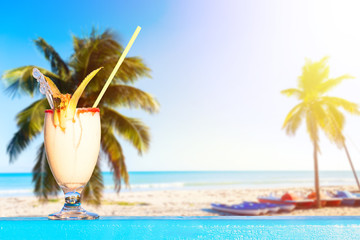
(183, 228)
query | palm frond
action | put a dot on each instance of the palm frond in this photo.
(112, 150)
(131, 69)
(335, 124)
(58, 65)
(293, 119)
(93, 53)
(30, 123)
(45, 183)
(313, 75)
(331, 83)
(348, 106)
(312, 128)
(78, 43)
(20, 80)
(293, 92)
(94, 188)
(124, 96)
(319, 114)
(103, 50)
(131, 129)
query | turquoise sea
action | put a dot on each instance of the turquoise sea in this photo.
(19, 184)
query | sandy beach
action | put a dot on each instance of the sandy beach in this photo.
(166, 203)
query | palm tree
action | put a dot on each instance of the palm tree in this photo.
(90, 53)
(318, 110)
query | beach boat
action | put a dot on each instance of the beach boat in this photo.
(326, 200)
(286, 207)
(239, 209)
(288, 199)
(270, 207)
(275, 207)
(332, 202)
(348, 198)
(357, 203)
(263, 207)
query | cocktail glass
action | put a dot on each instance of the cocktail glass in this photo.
(72, 154)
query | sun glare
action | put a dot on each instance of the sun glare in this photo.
(335, 27)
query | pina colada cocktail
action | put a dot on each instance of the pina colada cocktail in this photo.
(72, 139)
(72, 144)
(73, 153)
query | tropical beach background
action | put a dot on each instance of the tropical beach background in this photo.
(208, 80)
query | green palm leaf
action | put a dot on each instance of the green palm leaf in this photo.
(58, 65)
(125, 96)
(45, 183)
(131, 129)
(331, 83)
(20, 80)
(348, 106)
(112, 150)
(131, 69)
(293, 119)
(30, 123)
(102, 50)
(313, 74)
(335, 125)
(293, 92)
(312, 127)
(94, 188)
(78, 43)
(319, 114)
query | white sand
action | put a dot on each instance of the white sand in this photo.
(165, 203)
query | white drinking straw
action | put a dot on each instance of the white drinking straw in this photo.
(121, 59)
(44, 86)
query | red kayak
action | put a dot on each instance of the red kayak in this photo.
(326, 201)
(301, 203)
(305, 203)
(289, 198)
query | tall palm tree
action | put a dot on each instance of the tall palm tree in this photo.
(90, 53)
(318, 110)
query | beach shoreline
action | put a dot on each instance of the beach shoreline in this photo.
(169, 203)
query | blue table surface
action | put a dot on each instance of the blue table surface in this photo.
(183, 228)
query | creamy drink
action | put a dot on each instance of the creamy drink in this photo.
(72, 143)
(72, 138)
(73, 152)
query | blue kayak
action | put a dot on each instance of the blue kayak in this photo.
(348, 198)
(275, 207)
(239, 209)
(263, 206)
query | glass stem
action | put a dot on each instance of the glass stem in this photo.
(72, 200)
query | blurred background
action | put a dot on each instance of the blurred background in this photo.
(217, 69)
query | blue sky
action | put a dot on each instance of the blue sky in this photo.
(218, 68)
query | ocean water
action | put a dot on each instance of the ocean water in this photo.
(19, 184)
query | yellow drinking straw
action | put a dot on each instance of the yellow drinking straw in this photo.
(121, 59)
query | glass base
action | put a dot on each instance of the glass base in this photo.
(73, 213)
(72, 209)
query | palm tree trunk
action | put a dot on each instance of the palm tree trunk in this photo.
(352, 166)
(316, 172)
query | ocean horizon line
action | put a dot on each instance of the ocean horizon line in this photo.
(19, 184)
